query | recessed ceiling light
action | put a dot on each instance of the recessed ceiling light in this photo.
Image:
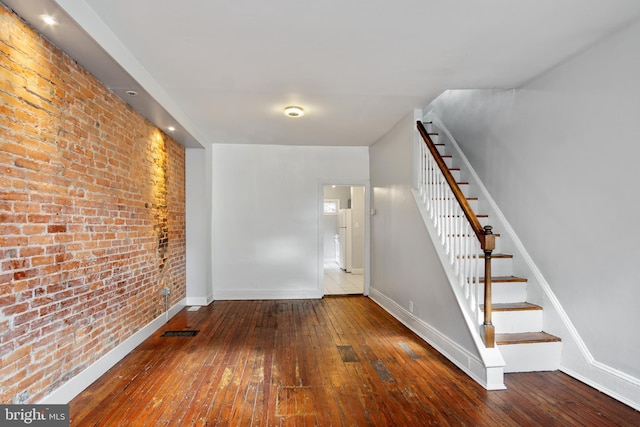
(293, 111)
(49, 20)
(131, 92)
(171, 128)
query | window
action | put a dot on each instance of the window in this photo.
(331, 206)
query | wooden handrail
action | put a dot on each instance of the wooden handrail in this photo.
(484, 234)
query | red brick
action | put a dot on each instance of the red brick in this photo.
(75, 236)
(16, 355)
(31, 251)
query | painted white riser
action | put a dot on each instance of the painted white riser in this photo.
(531, 357)
(507, 322)
(465, 189)
(499, 266)
(507, 292)
(496, 250)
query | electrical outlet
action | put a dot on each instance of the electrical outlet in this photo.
(410, 306)
(166, 291)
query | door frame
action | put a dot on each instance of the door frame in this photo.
(367, 229)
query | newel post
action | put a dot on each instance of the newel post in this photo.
(488, 246)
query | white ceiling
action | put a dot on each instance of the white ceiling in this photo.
(224, 70)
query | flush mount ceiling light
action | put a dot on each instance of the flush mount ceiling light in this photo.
(171, 128)
(49, 20)
(293, 111)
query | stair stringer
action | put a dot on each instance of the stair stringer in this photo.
(489, 372)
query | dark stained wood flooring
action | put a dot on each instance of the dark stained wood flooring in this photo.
(339, 361)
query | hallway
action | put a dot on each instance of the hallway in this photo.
(338, 282)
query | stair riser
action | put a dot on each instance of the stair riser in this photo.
(499, 267)
(503, 292)
(508, 260)
(517, 321)
(531, 357)
(464, 188)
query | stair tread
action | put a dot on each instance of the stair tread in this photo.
(512, 306)
(498, 255)
(525, 338)
(465, 235)
(500, 279)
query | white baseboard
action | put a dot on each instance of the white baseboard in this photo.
(609, 381)
(262, 294)
(66, 392)
(201, 301)
(490, 377)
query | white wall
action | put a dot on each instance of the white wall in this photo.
(198, 229)
(560, 157)
(266, 216)
(404, 264)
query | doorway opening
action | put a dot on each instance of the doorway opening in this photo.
(344, 237)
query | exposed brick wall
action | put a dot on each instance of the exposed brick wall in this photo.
(92, 217)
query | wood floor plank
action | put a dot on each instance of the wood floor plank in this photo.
(340, 361)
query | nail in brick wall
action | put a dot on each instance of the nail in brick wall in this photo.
(92, 217)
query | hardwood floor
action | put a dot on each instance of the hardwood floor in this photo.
(339, 361)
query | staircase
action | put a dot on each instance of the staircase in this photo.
(519, 333)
